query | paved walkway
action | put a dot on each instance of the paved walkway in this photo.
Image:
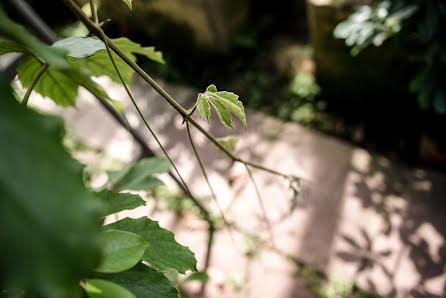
(364, 217)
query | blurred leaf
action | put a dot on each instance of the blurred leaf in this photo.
(17, 33)
(139, 176)
(200, 276)
(130, 48)
(121, 250)
(144, 282)
(223, 102)
(100, 288)
(439, 102)
(128, 2)
(115, 202)
(48, 218)
(80, 47)
(229, 143)
(163, 253)
(11, 47)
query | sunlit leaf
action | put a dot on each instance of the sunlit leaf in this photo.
(121, 250)
(203, 107)
(199, 276)
(163, 252)
(130, 48)
(128, 2)
(101, 288)
(222, 111)
(80, 47)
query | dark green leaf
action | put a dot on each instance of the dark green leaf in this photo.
(115, 202)
(11, 47)
(200, 276)
(439, 102)
(101, 288)
(140, 175)
(144, 282)
(203, 107)
(163, 253)
(17, 33)
(121, 250)
(80, 47)
(48, 218)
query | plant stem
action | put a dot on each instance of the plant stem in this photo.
(262, 206)
(33, 83)
(183, 112)
(94, 11)
(142, 116)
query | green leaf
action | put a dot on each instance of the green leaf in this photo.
(211, 88)
(140, 175)
(231, 102)
(229, 143)
(115, 202)
(80, 47)
(129, 47)
(17, 33)
(200, 276)
(11, 47)
(100, 288)
(128, 2)
(144, 282)
(163, 253)
(222, 112)
(100, 65)
(53, 83)
(223, 102)
(203, 107)
(48, 218)
(121, 250)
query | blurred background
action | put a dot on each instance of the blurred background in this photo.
(365, 82)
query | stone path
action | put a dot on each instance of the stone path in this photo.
(364, 218)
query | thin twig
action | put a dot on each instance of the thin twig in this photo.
(34, 83)
(143, 118)
(183, 112)
(94, 11)
(262, 206)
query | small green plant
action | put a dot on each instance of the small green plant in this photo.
(417, 25)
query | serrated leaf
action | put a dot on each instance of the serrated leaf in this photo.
(211, 88)
(11, 47)
(17, 33)
(130, 48)
(121, 250)
(53, 83)
(222, 112)
(144, 282)
(163, 253)
(101, 288)
(200, 276)
(140, 175)
(48, 218)
(114, 202)
(129, 3)
(203, 107)
(231, 102)
(80, 47)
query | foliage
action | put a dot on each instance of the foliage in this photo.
(418, 26)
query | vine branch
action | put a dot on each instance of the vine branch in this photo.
(34, 83)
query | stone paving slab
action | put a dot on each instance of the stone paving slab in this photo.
(365, 218)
